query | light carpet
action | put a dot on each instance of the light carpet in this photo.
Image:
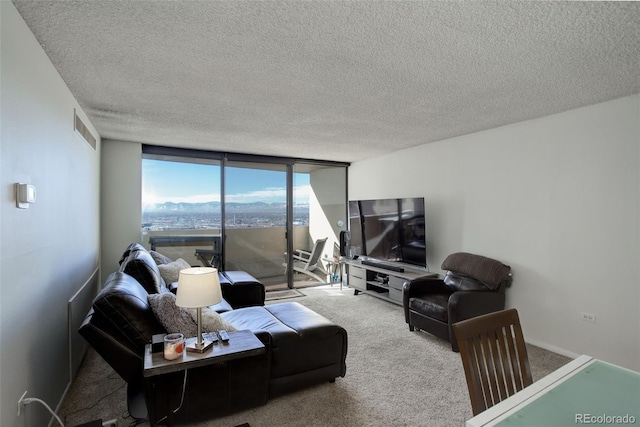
(394, 377)
(284, 294)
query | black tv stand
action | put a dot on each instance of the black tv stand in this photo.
(384, 265)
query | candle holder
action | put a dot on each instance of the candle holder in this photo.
(173, 346)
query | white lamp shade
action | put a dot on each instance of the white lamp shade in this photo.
(198, 287)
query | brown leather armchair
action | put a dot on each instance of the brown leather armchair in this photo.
(473, 285)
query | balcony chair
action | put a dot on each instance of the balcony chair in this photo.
(211, 257)
(494, 357)
(307, 262)
(473, 285)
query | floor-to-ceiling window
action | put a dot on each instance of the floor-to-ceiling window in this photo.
(243, 212)
(181, 206)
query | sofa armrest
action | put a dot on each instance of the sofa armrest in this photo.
(241, 289)
(221, 307)
(122, 358)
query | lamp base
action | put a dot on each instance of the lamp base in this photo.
(199, 347)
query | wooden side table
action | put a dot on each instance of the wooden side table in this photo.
(199, 386)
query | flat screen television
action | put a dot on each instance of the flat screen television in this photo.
(389, 230)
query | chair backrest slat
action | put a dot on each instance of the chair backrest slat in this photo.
(471, 353)
(492, 385)
(504, 338)
(523, 360)
(494, 357)
(513, 359)
(499, 374)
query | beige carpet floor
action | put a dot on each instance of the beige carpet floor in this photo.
(394, 377)
(283, 294)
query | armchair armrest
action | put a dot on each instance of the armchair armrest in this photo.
(423, 286)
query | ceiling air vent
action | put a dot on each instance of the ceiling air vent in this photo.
(83, 131)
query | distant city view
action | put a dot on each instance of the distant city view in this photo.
(186, 196)
(171, 216)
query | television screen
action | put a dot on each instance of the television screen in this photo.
(355, 230)
(380, 229)
(389, 230)
(413, 231)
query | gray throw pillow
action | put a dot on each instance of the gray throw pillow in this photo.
(174, 319)
(159, 258)
(171, 272)
(211, 320)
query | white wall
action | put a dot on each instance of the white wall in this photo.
(327, 206)
(49, 250)
(557, 198)
(120, 199)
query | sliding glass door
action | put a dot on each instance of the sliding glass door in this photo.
(255, 212)
(320, 210)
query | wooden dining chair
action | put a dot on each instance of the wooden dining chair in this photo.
(494, 357)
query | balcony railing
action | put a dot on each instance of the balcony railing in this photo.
(258, 251)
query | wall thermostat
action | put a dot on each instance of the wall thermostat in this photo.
(25, 194)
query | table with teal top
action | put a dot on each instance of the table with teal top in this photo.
(584, 391)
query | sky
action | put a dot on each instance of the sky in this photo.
(164, 181)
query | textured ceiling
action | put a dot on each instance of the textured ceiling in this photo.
(332, 80)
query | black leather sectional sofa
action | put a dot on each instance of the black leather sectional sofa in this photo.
(303, 348)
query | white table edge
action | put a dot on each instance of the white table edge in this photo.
(507, 407)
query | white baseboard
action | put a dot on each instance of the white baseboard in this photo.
(553, 348)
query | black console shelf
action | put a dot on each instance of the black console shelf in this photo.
(382, 280)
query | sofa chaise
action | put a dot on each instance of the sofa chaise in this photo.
(302, 348)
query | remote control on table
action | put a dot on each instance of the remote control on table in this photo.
(224, 336)
(211, 336)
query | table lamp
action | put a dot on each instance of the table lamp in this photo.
(198, 287)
